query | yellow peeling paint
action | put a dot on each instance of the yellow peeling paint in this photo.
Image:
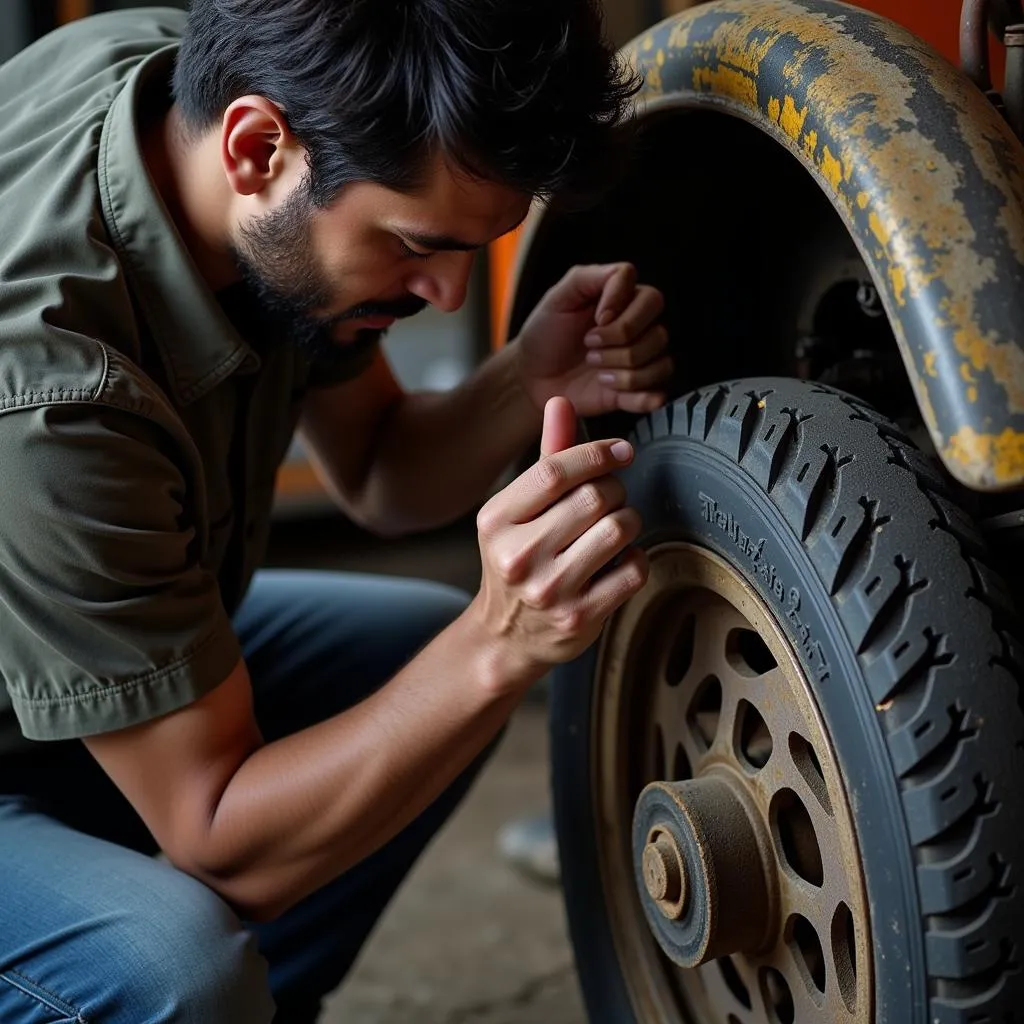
(792, 120)
(972, 394)
(898, 279)
(793, 71)
(831, 168)
(727, 82)
(923, 231)
(679, 37)
(660, 58)
(996, 458)
(1003, 360)
(965, 373)
(878, 229)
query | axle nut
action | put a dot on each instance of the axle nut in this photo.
(662, 870)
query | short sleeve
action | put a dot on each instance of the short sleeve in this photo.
(108, 617)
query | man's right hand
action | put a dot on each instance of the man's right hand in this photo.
(544, 541)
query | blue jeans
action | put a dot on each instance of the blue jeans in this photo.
(94, 929)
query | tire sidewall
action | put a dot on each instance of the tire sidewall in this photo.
(685, 490)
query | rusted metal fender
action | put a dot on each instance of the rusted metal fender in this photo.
(925, 174)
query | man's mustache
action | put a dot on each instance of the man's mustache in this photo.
(408, 306)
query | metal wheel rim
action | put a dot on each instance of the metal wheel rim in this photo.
(687, 580)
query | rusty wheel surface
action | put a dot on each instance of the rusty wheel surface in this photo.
(748, 863)
(786, 777)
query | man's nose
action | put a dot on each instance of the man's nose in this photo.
(445, 282)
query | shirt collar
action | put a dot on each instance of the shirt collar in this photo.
(198, 345)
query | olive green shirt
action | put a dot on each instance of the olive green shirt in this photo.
(142, 416)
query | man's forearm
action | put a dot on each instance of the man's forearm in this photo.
(302, 809)
(438, 453)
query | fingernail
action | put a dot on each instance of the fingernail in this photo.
(622, 451)
(606, 378)
(594, 358)
(592, 339)
(606, 317)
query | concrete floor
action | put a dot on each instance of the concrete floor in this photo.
(466, 940)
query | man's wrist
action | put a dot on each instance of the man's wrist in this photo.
(501, 666)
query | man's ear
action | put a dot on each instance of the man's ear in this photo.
(257, 147)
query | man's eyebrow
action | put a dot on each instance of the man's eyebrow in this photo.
(439, 243)
(446, 243)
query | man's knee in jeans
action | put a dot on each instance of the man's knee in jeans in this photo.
(185, 957)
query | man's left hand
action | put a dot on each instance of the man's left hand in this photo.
(594, 339)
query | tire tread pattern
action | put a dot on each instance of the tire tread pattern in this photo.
(907, 572)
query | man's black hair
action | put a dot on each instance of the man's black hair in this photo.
(525, 93)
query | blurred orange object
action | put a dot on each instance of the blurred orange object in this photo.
(937, 22)
(501, 260)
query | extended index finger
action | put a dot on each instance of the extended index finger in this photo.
(554, 476)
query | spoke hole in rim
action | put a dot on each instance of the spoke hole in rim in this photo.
(747, 653)
(844, 955)
(795, 839)
(681, 768)
(733, 981)
(778, 1000)
(807, 951)
(808, 765)
(680, 657)
(755, 739)
(706, 710)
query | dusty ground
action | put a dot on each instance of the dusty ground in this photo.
(467, 941)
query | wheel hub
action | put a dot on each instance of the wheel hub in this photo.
(705, 871)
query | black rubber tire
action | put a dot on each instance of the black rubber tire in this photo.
(899, 611)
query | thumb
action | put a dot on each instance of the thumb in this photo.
(559, 430)
(584, 286)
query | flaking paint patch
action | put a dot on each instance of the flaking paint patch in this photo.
(679, 37)
(863, 198)
(725, 81)
(792, 120)
(1003, 360)
(993, 458)
(831, 168)
(660, 58)
(856, 94)
(878, 229)
(652, 80)
(898, 278)
(929, 364)
(810, 143)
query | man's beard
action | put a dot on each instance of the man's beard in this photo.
(275, 258)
